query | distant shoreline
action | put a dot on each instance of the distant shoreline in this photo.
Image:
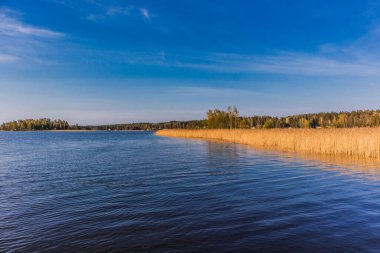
(93, 130)
(84, 130)
(74, 131)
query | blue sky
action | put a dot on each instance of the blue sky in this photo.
(97, 62)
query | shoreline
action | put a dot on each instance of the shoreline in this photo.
(63, 131)
(362, 143)
(74, 131)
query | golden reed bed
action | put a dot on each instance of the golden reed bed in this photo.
(353, 142)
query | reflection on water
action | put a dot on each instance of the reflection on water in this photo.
(136, 192)
(222, 150)
(229, 152)
(355, 165)
(343, 164)
(222, 158)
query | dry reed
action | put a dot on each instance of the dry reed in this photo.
(353, 142)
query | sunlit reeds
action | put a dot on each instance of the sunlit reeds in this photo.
(351, 142)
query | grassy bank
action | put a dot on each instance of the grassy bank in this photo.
(353, 142)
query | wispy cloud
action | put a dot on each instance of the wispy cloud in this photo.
(117, 10)
(290, 63)
(211, 91)
(21, 41)
(11, 26)
(359, 58)
(6, 58)
(103, 11)
(94, 17)
(282, 63)
(109, 11)
(351, 62)
(145, 13)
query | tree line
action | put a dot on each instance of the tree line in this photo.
(35, 124)
(220, 119)
(192, 124)
(231, 119)
(47, 124)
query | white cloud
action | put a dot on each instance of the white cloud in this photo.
(14, 27)
(6, 58)
(145, 13)
(115, 10)
(105, 11)
(22, 41)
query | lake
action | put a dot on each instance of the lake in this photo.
(137, 192)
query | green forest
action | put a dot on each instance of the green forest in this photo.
(219, 119)
(35, 124)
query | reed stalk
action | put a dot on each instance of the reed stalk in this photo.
(350, 142)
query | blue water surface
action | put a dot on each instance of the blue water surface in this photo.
(137, 192)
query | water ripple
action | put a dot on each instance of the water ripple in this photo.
(136, 192)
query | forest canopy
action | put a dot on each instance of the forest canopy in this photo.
(35, 124)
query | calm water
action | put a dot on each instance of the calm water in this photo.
(136, 192)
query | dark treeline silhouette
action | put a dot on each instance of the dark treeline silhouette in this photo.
(220, 119)
(35, 124)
